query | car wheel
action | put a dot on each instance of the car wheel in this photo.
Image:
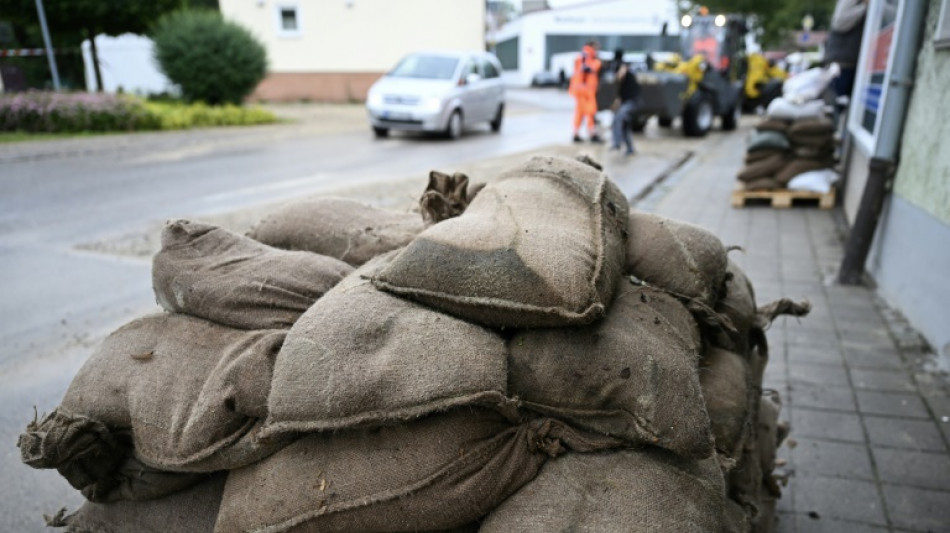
(496, 122)
(454, 129)
(698, 115)
(381, 132)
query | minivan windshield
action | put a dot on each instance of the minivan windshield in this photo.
(426, 66)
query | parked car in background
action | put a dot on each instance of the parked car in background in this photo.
(443, 92)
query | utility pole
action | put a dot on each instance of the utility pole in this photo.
(49, 46)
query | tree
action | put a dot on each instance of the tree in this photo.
(71, 21)
(211, 59)
(775, 19)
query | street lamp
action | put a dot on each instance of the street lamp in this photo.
(808, 22)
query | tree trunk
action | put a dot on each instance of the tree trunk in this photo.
(91, 35)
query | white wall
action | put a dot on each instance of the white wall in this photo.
(125, 61)
(358, 35)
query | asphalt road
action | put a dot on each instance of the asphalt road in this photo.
(60, 298)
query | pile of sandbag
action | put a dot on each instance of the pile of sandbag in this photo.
(790, 153)
(533, 357)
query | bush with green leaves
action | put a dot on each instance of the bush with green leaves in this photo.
(213, 60)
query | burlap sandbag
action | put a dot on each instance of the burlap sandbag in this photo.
(798, 166)
(676, 256)
(541, 247)
(181, 393)
(727, 388)
(825, 151)
(96, 460)
(773, 124)
(337, 227)
(447, 196)
(767, 140)
(193, 510)
(361, 356)
(439, 472)
(762, 169)
(630, 491)
(759, 155)
(763, 184)
(212, 273)
(812, 126)
(739, 305)
(632, 375)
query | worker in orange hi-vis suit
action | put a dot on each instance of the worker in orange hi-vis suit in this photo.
(583, 88)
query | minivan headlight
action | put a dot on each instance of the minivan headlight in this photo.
(432, 103)
(374, 99)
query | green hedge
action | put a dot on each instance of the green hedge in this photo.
(47, 112)
(211, 59)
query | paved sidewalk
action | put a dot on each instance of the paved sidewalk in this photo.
(868, 450)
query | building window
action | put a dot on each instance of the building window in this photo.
(288, 20)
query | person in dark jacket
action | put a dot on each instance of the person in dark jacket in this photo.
(628, 92)
(844, 42)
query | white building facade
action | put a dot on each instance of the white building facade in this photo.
(526, 45)
(333, 50)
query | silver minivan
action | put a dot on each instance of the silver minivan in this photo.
(443, 92)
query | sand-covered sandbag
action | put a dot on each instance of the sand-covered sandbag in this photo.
(676, 256)
(212, 273)
(727, 388)
(764, 168)
(180, 393)
(632, 375)
(193, 510)
(630, 491)
(739, 305)
(447, 196)
(541, 247)
(361, 356)
(439, 472)
(345, 229)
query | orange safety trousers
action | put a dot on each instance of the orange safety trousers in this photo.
(586, 107)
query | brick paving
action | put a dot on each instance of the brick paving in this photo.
(868, 450)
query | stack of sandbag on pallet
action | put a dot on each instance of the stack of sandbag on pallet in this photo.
(794, 146)
(538, 358)
(794, 154)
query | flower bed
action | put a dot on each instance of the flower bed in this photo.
(46, 112)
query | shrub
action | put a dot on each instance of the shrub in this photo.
(171, 116)
(211, 59)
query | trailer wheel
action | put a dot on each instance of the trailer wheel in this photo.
(730, 119)
(639, 123)
(698, 115)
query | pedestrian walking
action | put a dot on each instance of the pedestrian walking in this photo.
(628, 92)
(583, 88)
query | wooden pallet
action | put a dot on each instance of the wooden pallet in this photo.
(782, 198)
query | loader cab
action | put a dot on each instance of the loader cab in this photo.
(720, 39)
